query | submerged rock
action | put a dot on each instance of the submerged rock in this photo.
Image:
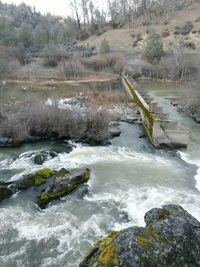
(171, 238)
(62, 185)
(43, 156)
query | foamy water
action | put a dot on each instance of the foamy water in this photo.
(128, 178)
(187, 158)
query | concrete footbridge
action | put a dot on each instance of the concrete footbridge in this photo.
(160, 130)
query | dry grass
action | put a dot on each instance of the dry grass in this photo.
(20, 122)
(121, 38)
(106, 98)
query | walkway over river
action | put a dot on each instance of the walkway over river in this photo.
(160, 130)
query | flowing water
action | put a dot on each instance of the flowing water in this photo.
(129, 177)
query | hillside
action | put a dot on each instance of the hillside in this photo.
(122, 38)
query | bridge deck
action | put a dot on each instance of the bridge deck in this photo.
(160, 130)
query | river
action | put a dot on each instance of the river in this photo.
(129, 177)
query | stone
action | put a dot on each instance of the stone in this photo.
(5, 192)
(5, 141)
(114, 132)
(170, 238)
(43, 156)
(62, 185)
(36, 179)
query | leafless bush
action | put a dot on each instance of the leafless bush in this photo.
(5, 59)
(76, 67)
(191, 103)
(189, 45)
(97, 126)
(73, 68)
(21, 123)
(53, 54)
(113, 63)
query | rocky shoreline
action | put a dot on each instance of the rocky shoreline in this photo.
(187, 108)
(170, 238)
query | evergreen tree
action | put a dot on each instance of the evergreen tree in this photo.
(153, 47)
(104, 47)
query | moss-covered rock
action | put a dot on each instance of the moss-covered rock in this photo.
(36, 179)
(103, 253)
(171, 238)
(64, 183)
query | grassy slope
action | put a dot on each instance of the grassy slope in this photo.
(121, 38)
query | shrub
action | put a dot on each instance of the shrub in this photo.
(185, 29)
(165, 33)
(82, 35)
(53, 54)
(113, 63)
(73, 68)
(166, 22)
(5, 59)
(22, 54)
(189, 45)
(153, 48)
(104, 47)
(21, 122)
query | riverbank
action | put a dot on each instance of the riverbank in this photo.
(190, 107)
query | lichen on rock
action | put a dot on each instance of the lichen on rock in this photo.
(64, 183)
(171, 238)
(35, 179)
(41, 176)
(103, 253)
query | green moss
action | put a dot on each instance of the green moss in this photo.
(107, 250)
(42, 176)
(144, 241)
(163, 215)
(108, 256)
(86, 175)
(46, 196)
(148, 237)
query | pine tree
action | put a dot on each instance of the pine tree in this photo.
(153, 48)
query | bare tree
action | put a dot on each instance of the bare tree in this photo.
(75, 8)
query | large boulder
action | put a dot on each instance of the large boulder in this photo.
(171, 238)
(62, 185)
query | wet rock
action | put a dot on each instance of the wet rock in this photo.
(62, 185)
(5, 192)
(197, 118)
(40, 158)
(114, 129)
(171, 238)
(36, 179)
(5, 141)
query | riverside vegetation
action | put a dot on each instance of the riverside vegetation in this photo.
(34, 122)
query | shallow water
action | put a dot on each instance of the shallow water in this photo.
(129, 177)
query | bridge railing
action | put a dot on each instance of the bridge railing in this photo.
(150, 121)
